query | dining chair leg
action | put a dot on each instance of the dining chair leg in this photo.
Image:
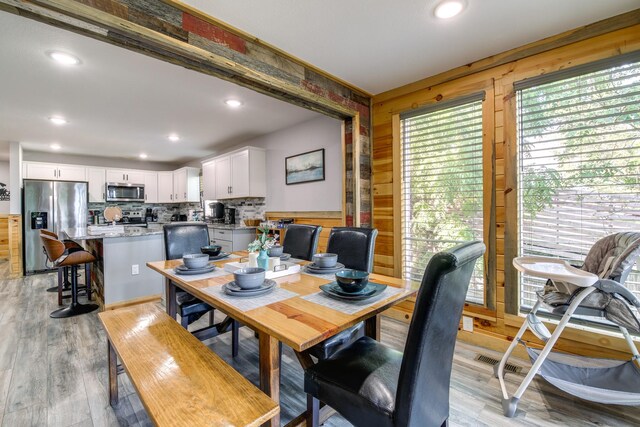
(212, 316)
(184, 321)
(235, 332)
(313, 411)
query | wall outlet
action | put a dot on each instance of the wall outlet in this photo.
(135, 269)
(467, 323)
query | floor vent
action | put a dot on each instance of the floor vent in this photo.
(491, 361)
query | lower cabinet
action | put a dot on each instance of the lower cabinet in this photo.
(232, 239)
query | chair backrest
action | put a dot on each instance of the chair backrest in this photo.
(182, 239)
(301, 240)
(53, 247)
(49, 233)
(616, 253)
(354, 245)
(423, 388)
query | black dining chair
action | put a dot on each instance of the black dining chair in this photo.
(371, 384)
(355, 247)
(301, 241)
(182, 239)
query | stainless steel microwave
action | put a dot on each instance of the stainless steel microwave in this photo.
(124, 192)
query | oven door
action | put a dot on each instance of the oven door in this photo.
(123, 192)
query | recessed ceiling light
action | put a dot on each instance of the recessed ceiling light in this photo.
(449, 8)
(55, 146)
(143, 156)
(57, 120)
(174, 138)
(233, 103)
(63, 58)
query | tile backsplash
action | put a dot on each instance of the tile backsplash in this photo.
(248, 208)
(164, 210)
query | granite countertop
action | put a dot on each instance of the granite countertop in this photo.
(231, 226)
(83, 233)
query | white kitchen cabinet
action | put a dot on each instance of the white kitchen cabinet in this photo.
(37, 170)
(41, 171)
(209, 181)
(97, 181)
(186, 185)
(150, 181)
(125, 176)
(223, 178)
(241, 173)
(165, 187)
(231, 239)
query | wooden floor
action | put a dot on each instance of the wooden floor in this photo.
(53, 372)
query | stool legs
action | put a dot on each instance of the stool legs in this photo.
(75, 308)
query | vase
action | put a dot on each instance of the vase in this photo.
(263, 260)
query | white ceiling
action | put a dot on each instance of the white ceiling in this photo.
(120, 103)
(379, 45)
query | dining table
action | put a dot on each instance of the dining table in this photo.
(297, 313)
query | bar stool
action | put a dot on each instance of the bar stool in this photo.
(63, 257)
(63, 275)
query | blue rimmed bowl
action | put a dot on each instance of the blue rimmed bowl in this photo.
(352, 281)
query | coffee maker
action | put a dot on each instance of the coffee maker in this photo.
(217, 212)
(229, 216)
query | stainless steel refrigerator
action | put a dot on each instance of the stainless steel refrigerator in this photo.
(53, 206)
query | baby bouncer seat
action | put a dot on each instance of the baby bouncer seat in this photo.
(596, 289)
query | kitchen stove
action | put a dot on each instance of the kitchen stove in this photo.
(133, 219)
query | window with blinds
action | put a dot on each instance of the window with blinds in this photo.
(442, 199)
(579, 163)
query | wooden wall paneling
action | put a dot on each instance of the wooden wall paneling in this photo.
(489, 194)
(397, 196)
(4, 237)
(15, 245)
(496, 331)
(356, 138)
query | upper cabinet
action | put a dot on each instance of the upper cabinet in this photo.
(37, 170)
(165, 187)
(209, 181)
(179, 186)
(125, 176)
(96, 178)
(186, 185)
(241, 173)
(150, 181)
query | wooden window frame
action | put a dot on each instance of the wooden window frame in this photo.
(488, 310)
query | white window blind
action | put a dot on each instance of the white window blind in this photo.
(579, 171)
(442, 185)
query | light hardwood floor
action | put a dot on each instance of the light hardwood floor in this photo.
(53, 372)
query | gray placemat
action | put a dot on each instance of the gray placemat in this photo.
(350, 307)
(219, 271)
(249, 303)
(328, 276)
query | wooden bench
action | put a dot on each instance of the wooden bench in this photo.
(180, 381)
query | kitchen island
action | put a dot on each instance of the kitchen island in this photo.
(119, 276)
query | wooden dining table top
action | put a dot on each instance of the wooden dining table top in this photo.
(295, 321)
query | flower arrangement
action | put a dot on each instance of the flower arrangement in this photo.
(264, 242)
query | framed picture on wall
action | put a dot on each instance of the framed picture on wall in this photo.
(304, 167)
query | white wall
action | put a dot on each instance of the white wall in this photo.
(323, 132)
(4, 178)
